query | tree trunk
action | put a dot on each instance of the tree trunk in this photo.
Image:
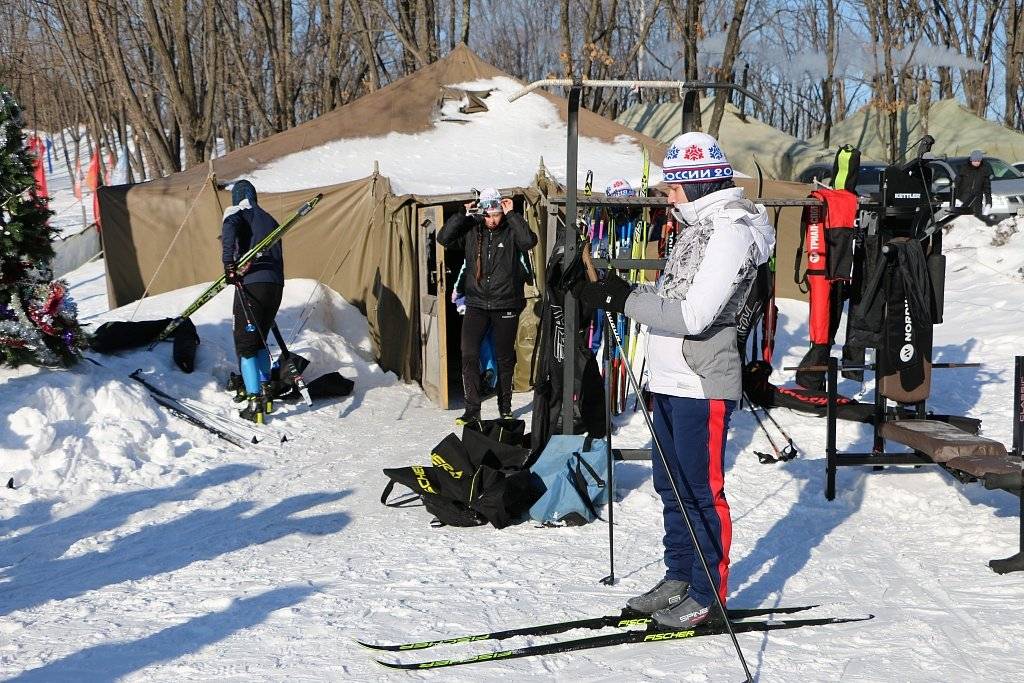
(981, 84)
(465, 21)
(732, 48)
(924, 98)
(365, 44)
(1014, 61)
(566, 56)
(423, 11)
(693, 33)
(828, 85)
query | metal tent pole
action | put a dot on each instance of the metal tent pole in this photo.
(570, 242)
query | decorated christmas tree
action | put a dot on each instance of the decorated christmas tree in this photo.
(38, 322)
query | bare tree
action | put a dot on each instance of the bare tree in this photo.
(725, 72)
(1013, 62)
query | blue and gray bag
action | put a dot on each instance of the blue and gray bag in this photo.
(574, 469)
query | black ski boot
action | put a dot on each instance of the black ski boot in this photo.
(505, 406)
(667, 593)
(687, 614)
(267, 394)
(236, 385)
(254, 411)
(471, 415)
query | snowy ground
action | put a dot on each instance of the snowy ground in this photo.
(139, 547)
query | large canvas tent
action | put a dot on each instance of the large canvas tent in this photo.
(956, 130)
(365, 240)
(371, 237)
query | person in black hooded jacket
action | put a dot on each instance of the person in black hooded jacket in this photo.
(974, 185)
(261, 283)
(496, 241)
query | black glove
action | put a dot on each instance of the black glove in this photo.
(609, 294)
(231, 275)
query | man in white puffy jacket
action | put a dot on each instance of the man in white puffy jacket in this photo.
(695, 370)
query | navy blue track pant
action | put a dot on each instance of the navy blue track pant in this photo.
(692, 433)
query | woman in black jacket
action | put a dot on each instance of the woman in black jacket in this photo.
(496, 241)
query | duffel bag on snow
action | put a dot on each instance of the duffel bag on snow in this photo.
(425, 485)
(500, 446)
(462, 488)
(507, 431)
(119, 335)
(574, 470)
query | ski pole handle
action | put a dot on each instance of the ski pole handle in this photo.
(588, 263)
(308, 206)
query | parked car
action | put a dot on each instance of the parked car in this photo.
(1007, 184)
(868, 179)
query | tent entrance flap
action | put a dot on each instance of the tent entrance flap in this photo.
(433, 305)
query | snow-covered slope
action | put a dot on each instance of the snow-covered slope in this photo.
(139, 547)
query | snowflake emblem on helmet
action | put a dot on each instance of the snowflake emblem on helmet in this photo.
(672, 153)
(715, 152)
(693, 153)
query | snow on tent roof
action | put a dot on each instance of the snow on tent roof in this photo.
(744, 141)
(956, 130)
(407, 111)
(499, 144)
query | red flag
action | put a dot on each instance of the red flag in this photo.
(38, 148)
(93, 180)
(92, 176)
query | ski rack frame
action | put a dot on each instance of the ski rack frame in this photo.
(555, 202)
(572, 201)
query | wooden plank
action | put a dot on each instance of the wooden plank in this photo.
(442, 313)
(942, 442)
(432, 330)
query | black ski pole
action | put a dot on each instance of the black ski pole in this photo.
(765, 458)
(250, 320)
(679, 500)
(789, 451)
(610, 579)
(637, 398)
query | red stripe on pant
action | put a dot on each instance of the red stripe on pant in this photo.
(716, 479)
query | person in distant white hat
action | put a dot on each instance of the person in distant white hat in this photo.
(496, 240)
(974, 185)
(619, 187)
(695, 370)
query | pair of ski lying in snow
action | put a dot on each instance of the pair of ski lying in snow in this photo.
(210, 417)
(627, 622)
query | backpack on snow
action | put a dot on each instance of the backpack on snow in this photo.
(574, 469)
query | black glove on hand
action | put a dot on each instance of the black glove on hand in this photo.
(231, 274)
(609, 294)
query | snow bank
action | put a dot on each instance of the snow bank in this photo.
(501, 147)
(992, 252)
(92, 428)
